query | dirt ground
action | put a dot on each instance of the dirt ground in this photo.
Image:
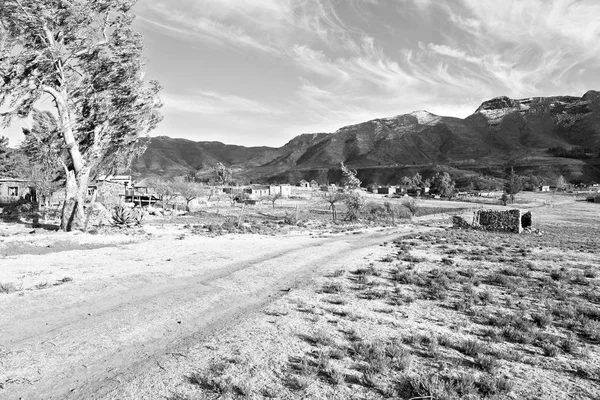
(81, 320)
(135, 316)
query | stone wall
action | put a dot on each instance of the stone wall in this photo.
(499, 221)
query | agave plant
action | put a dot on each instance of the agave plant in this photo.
(122, 217)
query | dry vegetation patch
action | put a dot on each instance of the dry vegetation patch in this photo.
(448, 315)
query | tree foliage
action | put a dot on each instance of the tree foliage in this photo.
(12, 163)
(84, 56)
(442, 185)
(349, 179)
(222, 175)
(514, 185)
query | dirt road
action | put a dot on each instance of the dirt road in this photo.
(90, 320)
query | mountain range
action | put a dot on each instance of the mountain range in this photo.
(503, 132)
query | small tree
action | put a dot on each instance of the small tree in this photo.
(186, 189)
(333, 198)
(514, 185)
(442, 185)
(417, 180)
(355, 204)
(273, 198)
(222, 175)
(349, 180)
(163, 189)
(561, 182)
(406, 181)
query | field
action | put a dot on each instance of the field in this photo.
(190, 308)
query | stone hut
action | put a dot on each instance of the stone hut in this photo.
(496, 220)
(502, 221)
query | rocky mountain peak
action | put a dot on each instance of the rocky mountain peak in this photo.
(425, 117)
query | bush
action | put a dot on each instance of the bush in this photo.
(354, 206)
(411, 205)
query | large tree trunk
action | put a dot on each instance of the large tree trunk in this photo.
(73, 215)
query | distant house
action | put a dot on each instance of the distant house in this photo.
(386, 190)
(314, 184)
(544, 188)
(256, 192)
(124, 180)
(141, 187)
(233, 190)
(304, 184)
(14, 189)
(284, 190)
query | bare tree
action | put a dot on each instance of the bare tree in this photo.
(274, 197)
(163, 189)
(186, 189)
(333, 198)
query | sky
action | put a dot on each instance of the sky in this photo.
(259, 72)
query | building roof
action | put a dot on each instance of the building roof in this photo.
(141, 184)
(114, 178)
(14, 180)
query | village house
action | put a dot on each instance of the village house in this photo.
(14, 189)
(304, 184)
(386, 190)
(544, 188)
(284, 190)
(124, 180)
(256, 192)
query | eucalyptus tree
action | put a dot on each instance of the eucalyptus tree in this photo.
(85, 57)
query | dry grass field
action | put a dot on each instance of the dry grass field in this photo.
(430, 313)
(444, 315)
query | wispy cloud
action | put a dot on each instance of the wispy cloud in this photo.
(334, 63)
(214, 103)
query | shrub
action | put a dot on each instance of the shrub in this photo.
(542, 319)
(354, 206)
(486, 363)
(590, 273)
(591, 329)
(472, 347)
(331, 288)
(549, 349)
(558, 275)
(490, 386)
(569, 345)
(7, 288)
(411, 205)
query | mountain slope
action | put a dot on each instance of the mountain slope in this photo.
(501, 129)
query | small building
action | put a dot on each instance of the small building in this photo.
(233, 190)
(124, 180)
(544, 188)
(285, 190)
(386, 190)
(141, 187)
(304, 184)
(256, 192)
(14, 189)
(314, 184)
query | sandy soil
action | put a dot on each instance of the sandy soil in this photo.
(85, 321)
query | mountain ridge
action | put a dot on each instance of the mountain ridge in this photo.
(500, 129)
